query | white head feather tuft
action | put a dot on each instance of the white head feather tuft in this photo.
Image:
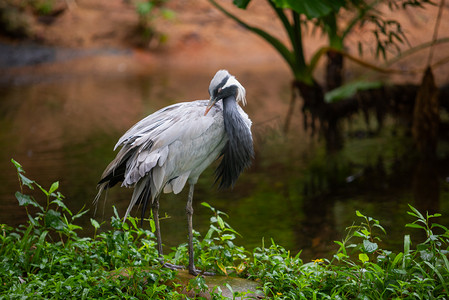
(223, 74)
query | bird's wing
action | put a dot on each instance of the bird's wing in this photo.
(166, 125)
(151, 141)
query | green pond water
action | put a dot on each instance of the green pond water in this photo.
(65, 127)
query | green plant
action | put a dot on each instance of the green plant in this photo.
(324, 14)
(216, 251)
(149, 11)
(47, 259)
(336, 20)
(44, 7)
(360, 268)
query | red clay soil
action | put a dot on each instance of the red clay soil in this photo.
(201, 37)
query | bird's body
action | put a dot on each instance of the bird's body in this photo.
(174, 145)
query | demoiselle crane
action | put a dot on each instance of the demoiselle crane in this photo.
(174, 145)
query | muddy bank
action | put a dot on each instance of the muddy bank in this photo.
(26, 54)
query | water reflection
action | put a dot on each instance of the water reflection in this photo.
(65, 129)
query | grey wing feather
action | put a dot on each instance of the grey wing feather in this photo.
(150, 143)
(158, 145)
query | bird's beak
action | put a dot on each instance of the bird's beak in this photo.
(209, 106)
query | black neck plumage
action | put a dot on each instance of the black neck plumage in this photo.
(238, 151)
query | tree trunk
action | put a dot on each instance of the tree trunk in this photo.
(426, 116)
(315, 107)
(334, 70)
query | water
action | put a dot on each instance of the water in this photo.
(64, 128)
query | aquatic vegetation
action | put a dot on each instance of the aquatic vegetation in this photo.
(48, 259)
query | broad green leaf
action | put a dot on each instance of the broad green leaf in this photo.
(209, 234)
(205, 204)
(365, 232)
(369, 246)
(25, 200)
(53, 220)
(241, 3)
(133, 222)
(359, 214)
(54, 187)
(361, 235)
(348, 90)
(26, 181)
(227, 237)
(62, 205)
(229, 229)
(152, 226)
(363, 257)
(94, 223)
(340, 256)
(73, 227)
(220, 222)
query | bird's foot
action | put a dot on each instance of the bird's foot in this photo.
(192, 271)
(196, 272)
(172, 266)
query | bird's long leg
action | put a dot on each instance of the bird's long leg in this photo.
(155, 210)
(189, 211)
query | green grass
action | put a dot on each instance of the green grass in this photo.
(48, 259)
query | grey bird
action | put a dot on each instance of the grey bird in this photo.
(174, 145)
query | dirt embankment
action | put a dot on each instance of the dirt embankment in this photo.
(101, 36)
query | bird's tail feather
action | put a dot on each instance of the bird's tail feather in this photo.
(146, 194)
(101, 187)
(142, 193)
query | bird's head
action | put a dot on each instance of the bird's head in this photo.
(224, 85)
